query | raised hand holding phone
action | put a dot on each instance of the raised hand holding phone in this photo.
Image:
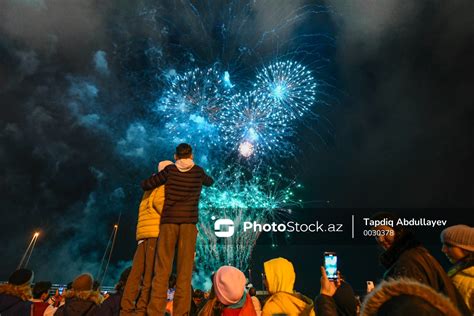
(328, 287)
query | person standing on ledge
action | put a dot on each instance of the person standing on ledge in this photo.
(184, 181)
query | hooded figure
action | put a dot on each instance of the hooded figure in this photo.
(403, 297)
(15, 295)
(230, 299)
(280, 279)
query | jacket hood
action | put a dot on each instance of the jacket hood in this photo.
(408, 293)
(289, 304)
(86, 296)
(184, 165)
(23, 292)
(280, 275)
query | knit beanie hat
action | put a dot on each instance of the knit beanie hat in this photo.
(461, 236)
(21, 276)
(229, 285)
(83, 282)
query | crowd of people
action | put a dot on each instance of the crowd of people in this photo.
(414, 282)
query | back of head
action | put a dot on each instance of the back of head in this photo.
(41, 288)
(403, 297)
(83, 282)
(183, 151)
(229, 285)
(280, 275)
(21, 277)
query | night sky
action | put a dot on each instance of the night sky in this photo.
(395, 128)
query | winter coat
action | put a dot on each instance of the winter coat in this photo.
(39, 307)
(462, 275)
(149, 213)
(280, 277)
(402, 297)
(247, 310)
(111, 305)
(83, 303)
(14, 300)
(257, 305)
(342, 303)
(184, 181)
(325, 306)
(408, 259)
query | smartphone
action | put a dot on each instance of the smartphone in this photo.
(61, 290)
(330, 265)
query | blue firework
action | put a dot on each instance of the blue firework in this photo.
(289, 86)
(251, 125)
(190, 106)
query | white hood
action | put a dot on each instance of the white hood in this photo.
(163, 164)
(184, 165)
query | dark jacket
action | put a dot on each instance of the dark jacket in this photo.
(13, 306)
(343, 303)
(325, 306)
(182, 192)
(111, 305)
(408, 259)
(78, 307)
(14, 300)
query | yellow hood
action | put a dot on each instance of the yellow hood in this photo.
(289, 304)
(280, 275)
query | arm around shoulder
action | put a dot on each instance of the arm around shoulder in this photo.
(155, 180)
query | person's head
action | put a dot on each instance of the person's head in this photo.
(252, 291)
(20, 281)
(279, 275)
(83, 282)
(120, 286)
(386, 229)
(458, 242)
(183, 151)
(229, 285)
(41, 290)
(21, 277)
